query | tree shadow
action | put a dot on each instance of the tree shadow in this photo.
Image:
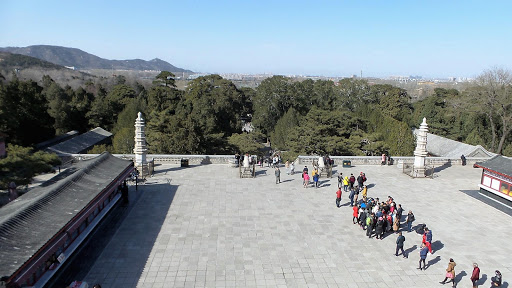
(437, 245)
(433, 261)
(459, 276)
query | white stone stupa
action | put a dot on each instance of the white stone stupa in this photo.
(140, 146)
(420, 153)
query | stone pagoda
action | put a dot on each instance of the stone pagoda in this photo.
(140, 146)
(420, 153)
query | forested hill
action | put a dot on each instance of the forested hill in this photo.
(82, 60)
(26, 67)
(16, 61)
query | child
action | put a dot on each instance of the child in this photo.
(315, 179)
(306, 179)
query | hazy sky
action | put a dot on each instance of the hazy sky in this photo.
(330, 38)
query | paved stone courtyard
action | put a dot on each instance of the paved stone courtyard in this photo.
(203, 226)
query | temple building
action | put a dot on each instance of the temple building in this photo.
(496, 182)
(443, 147)
(42, 228)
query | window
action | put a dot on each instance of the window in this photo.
(74, 234)
(495, 184)
(486, 181)
(82, 226)
(505, 188)
(90, 218)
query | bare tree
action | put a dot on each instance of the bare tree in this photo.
(494, 95)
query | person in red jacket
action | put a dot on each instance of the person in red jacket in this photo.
(427, 239)
(338, 197)
(355, 218)
(475, 276)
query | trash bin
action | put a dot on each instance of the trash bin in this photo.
(184, 162)
(347, 163)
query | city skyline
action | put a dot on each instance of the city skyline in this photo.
(381, 39)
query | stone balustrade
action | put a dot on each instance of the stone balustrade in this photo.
(301, 160)
(376, 160)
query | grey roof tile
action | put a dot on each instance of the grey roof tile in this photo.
(498, 163)
(30, 221)
(80, 143)
(444, 147)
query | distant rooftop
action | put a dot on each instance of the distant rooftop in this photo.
(56, 140)
(81, 143)
(444, 147)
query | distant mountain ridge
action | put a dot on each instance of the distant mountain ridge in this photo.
(82, 60)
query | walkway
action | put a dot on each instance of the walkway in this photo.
(204, 227)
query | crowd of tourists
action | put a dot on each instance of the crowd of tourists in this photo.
(382, 218)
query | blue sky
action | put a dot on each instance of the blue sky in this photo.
(330, 38)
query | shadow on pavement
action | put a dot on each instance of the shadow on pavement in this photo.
(482, 279)
(475, 194)
(163, 171)
(136, 242)
(409, 250)
(460, 275)
(434, 261)
(442, 167)
(437, 245)
(261, 172)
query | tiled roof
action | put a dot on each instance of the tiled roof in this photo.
(498, 163)
(81, 143)
(29, 222)
(56, 140)
(444, 147)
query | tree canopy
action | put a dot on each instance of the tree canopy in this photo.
(349, 117)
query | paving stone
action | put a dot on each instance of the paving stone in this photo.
(203, 227)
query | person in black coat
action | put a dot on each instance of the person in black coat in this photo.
(379, 228)
(400, 244)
